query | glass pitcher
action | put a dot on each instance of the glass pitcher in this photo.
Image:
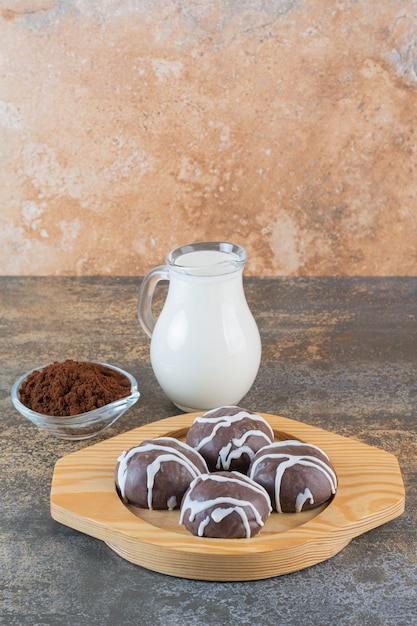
(205, 345)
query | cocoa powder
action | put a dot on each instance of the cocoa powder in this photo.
(72, 387)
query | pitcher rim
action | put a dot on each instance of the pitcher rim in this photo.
(238, 257)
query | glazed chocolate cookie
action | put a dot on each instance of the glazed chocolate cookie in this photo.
(156, 474)
(228, 437)
(225, 505)
(297, 476)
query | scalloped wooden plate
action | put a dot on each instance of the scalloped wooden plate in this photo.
(370, 493)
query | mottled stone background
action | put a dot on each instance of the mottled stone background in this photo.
(128, 127)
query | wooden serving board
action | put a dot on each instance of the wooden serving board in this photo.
(370, 493)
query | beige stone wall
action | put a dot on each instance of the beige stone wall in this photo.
(128, 127)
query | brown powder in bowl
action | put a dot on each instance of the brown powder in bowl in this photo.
(72, 387)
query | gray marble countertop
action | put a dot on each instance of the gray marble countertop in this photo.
(338, 353)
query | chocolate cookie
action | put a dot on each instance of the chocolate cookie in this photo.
(225, 505)
(156, 474)
(228, 437)
(297, 476)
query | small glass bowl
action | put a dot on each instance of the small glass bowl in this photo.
(83, 425)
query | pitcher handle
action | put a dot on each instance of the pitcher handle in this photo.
(147, 288)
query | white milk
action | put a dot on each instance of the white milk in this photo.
(208, 262)
(205, 346)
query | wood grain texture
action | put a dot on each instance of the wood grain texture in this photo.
(370, 493)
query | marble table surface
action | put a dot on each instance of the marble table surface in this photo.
(338, 353)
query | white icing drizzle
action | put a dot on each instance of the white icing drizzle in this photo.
(254, 486)
(171, 503)
(219, 513)
(202, 526)
(297, 442)
(302, 498)
(168, 453)
(227, 454)
(291, 460)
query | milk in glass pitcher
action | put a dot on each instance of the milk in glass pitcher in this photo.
(205, 345)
